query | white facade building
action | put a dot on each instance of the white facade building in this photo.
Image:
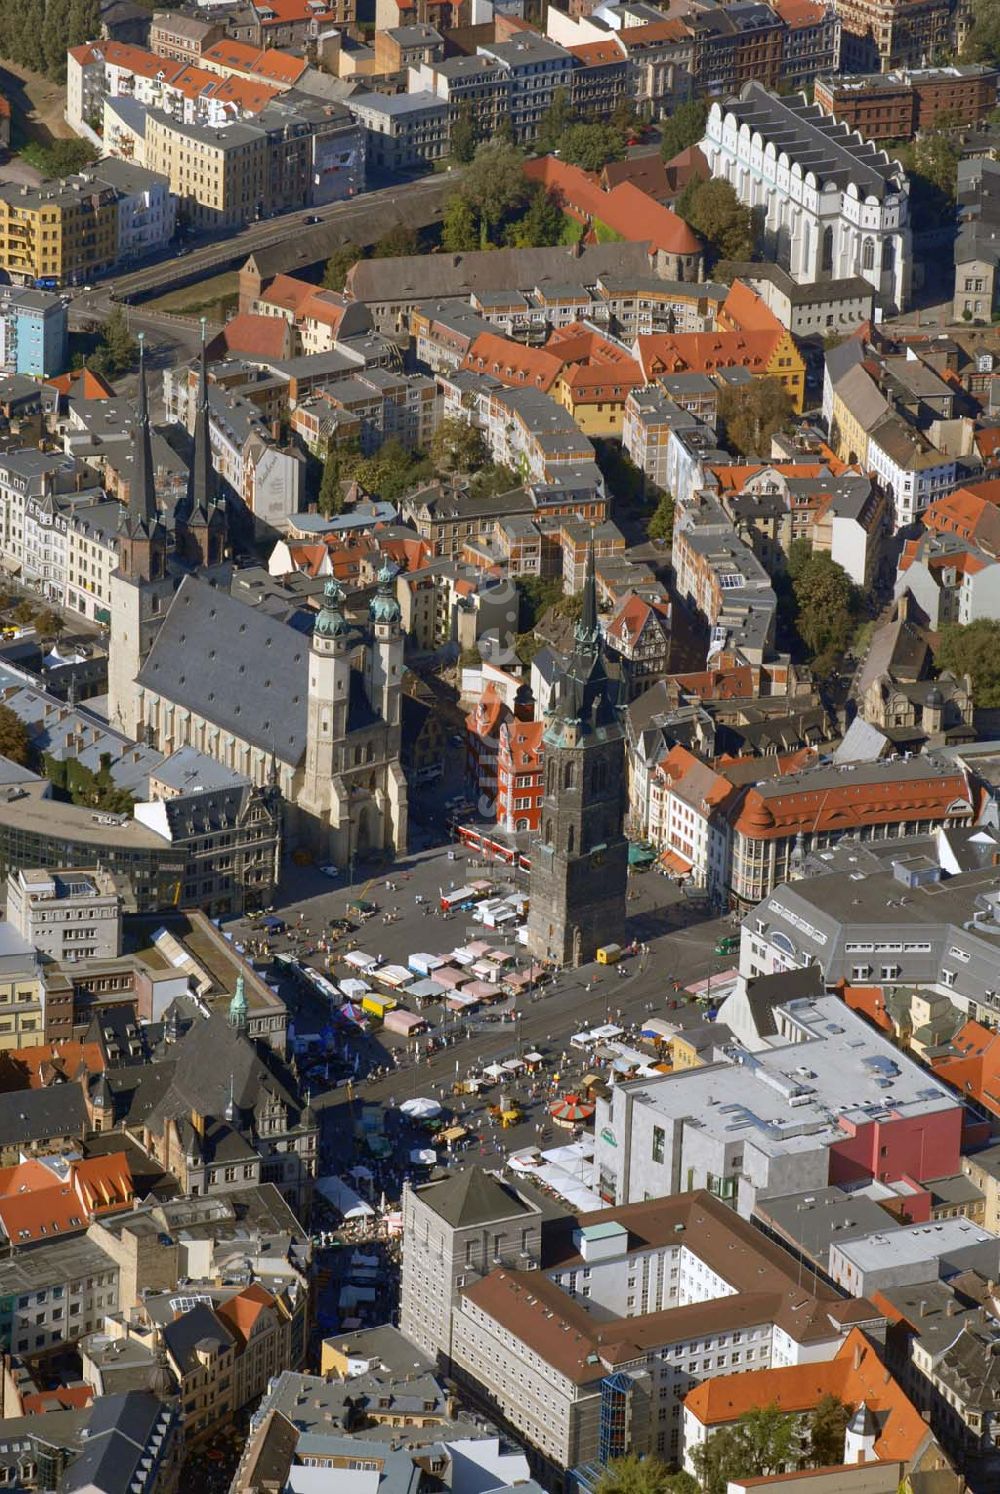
(833, 204)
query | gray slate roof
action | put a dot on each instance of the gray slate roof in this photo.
(471, 1198)
(37, 1114)
(239, 669)
(118, 1454)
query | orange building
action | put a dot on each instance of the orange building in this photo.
(520, 764)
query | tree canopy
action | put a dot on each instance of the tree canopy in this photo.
(457, 446)
(661, 522)
(37, 33)
(931, 163)
(716, 214)
(339, 263)
(388, 473)
(982, 44)
(397, 242)
(495, 204)
(974, 649)
(463, 136)
(762, 1441)
(649, 1475)
(13, 736)
(118, 350)
(828, 606)
(751, 413)
(686, 126)
(827, 1426)
(592, 146)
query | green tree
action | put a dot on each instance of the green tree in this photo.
(118, 350)
(495, 187)
(339, 263)
(397, 242)
(715, 213)
(463, 136)
(982, 43)
(330, 500)
(536, 594)
(54, 38)
(760, 1442)
(541, 226)
(591, 146)
(459, 225)
(83, 24)
(558, 118)
(49, 625)
(751, 413)
(470, 658)
(624, 117)
(390, 472)
(457, 446)
(827, 1426)
(931, 163)
(59, 157)
(635, 1475)
(13, 736)
(492, 480)
(661, 523)
(686, 126)
(974, 649)
(24, 613)
(828, 605)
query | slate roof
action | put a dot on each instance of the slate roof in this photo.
(37, 1114)
(824, 145)
(250, 676)
(471, 1198)
(208, 1056)
(199, 1326)
(118, 1449)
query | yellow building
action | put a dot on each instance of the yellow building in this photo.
(64, 231)
(218, 175)
(22, 992)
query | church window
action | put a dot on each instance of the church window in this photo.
(868, 254)
(571, 840)
(826, 258)
(569, 775)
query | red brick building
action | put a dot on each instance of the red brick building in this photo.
(896, 105)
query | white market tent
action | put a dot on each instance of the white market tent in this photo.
(358, 960)
(343, 1198)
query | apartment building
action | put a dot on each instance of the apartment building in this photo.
(977, 286)
(147, 209)
(455, 1233)
(844, 516)
(476, 86)
(719, 575)
(877, 35)
(861, 229)
(402, 130)
(34, 329)
(290, 155)
(60, 232)
(903, 102)
(69, 915)
(53, 1295)
(687, 821)
(808, 811)
(184, 38)
(22, 991)
(810, 42)
(767, 1116)
(736, 45)
(535, 67)
(590, 1358)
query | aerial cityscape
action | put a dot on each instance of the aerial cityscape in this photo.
(530, 466)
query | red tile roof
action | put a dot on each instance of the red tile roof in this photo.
(856, 1374)
(626, 210)
(515, 365)
(37, 1204)
(256, 336)
(241, 1312)
(816, 810)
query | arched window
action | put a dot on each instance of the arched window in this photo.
(889, 255)
(550, 778)
(826, 257)
(569, 775)
(548, 832)
(571, 841)
(868, 254)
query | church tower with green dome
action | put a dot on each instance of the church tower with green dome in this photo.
(387, 654)
(353, 790)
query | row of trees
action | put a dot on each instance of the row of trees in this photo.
(37, 33)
